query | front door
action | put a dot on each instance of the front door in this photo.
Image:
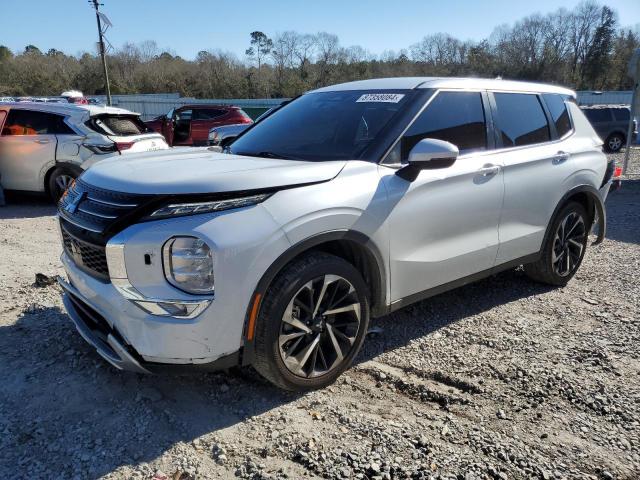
(444, 225)
(27, 144)
(182, 127)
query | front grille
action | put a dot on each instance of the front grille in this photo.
(89, 216)
(89, 257)
(95, 210)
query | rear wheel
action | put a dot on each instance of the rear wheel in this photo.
(614, 143)
(312, 323)
(565, 247)
(59, 181)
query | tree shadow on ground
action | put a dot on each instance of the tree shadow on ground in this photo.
(58, 391)
(23, 205)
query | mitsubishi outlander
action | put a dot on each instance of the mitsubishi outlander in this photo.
(349, 202)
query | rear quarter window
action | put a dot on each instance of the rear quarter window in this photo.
(559, 113)
(118, 125)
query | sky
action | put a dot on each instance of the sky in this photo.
(185, 27)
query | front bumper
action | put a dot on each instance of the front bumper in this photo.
(110, 345)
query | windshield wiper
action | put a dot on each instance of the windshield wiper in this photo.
(267, 155)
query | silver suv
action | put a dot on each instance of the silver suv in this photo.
(44, 145)
(351, 201)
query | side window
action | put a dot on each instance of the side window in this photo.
(456, 117)
(183, 115)
(521, 119)
(559, 113)
(59, 127)
(207, 113)
(27, 122)
(621, 114)
(597, 115)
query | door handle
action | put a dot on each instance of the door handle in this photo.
(560, 157)
(42, 141)
(489, 170)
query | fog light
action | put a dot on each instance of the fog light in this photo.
(188, 264)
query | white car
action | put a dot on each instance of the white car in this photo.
(351, 201)
(44, 146)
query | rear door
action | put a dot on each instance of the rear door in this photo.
(27, 145)
(537, 154)
(445, 223)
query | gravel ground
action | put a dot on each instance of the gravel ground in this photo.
(497, 380)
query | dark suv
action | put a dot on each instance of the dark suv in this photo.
(611, 123)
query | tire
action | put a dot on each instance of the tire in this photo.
(301, 353)
(614, 143)
(60, 177)
(567, 239)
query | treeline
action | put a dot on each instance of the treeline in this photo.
(584, 48)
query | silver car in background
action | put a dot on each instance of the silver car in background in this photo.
(45, 145)
(223, 136)
(350, 202)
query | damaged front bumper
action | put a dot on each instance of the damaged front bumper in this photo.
(110, 344)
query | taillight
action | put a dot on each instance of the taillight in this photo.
(124, 145)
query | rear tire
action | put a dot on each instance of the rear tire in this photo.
(614, 143)
(564, 248)
(60, 179)
(312, 323)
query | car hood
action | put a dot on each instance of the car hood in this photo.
(197, 170)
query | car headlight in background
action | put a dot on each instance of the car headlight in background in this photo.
(188, 264)
(179, 209)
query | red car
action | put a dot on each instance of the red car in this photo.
(190, 124)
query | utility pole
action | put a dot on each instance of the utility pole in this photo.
(102, 53)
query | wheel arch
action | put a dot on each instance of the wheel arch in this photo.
(52, 168)
(353, 246)
(589, 197)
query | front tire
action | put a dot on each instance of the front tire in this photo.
(312, 323)
(564, 248)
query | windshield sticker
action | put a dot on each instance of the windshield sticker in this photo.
(381, 97)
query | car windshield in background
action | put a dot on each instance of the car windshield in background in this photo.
(340, 125)
(118, 125)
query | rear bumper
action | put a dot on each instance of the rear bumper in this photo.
(110, 345)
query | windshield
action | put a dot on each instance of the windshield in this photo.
(340, 125)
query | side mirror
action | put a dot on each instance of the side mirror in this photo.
(428, 154)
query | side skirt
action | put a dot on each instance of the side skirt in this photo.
(416, 297)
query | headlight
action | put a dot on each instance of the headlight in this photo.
(188, 264)
(180, 209)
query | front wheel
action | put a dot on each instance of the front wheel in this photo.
(312, 323)
(564, 248)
